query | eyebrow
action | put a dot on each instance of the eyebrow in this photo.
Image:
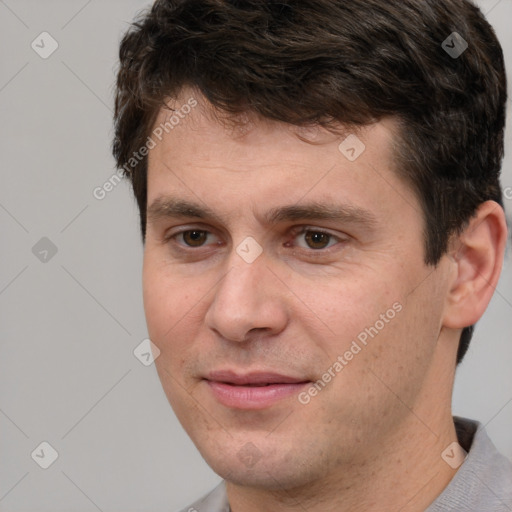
(165, 207)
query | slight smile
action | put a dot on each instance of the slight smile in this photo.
(256, 390)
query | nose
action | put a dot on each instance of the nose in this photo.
(249, 301)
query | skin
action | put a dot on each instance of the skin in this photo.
(372, 438)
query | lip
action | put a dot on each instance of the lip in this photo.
(254, 390)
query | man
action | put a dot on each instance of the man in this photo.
(322, 220)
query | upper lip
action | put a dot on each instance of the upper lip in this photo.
(241, 379)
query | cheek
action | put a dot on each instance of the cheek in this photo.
(376, 322)
(163, 307)
(400, 356)
(174, 309)
(165, 304)
(155, 301)
(351, 307)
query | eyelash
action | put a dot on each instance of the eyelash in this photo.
(295, 233)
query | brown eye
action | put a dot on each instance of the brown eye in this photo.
(194, 238)
(317, 239)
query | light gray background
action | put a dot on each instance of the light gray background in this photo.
(69, 326)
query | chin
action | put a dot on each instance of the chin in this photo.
(266, 468)
(271, 479)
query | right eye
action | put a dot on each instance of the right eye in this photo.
(192, 238)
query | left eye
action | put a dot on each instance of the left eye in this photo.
(315, 239)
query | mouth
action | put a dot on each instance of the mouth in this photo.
(256, 390)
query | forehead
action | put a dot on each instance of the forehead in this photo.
(191, 122)
(215, 153)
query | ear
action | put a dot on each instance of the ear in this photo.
(477, 257)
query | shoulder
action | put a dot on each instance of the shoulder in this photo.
(215, 501)
(483, 481)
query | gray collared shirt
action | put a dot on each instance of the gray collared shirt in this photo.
(483, 483)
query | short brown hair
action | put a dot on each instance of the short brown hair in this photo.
(326, 62)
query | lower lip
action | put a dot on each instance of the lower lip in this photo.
(253, 397)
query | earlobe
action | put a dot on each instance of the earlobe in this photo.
(477, 258)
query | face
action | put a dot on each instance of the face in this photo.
(290, 304)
